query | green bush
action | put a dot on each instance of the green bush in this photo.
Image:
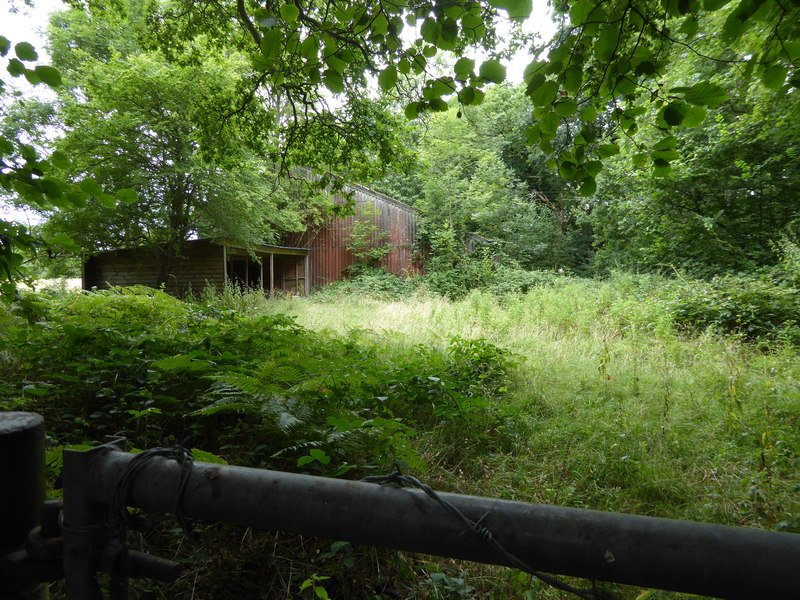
(511, 280)
(371, 282)
(259, 389)
(756, 308)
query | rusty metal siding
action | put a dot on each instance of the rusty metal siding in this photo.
(329, 256)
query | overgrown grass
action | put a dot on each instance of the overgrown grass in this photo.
(580, 393)
(628, 411)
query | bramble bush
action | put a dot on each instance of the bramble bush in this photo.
(756, 308)
(258, 389)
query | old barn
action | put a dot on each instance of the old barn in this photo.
(307, 260)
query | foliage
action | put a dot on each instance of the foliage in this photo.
(608, 57)
(131, 118)
(367, 282)
(607, 407)
(724, 205)
(756, 308)
(366, 242)
(27, 175)
(135, 359)
(620, 58)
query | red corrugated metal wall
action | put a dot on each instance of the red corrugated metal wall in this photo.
(329, 256)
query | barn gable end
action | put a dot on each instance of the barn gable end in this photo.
(395, 222)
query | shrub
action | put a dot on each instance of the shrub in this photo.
(371, 282)
(755, 308)
(513, 280)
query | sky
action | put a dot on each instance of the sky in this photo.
(19, 22)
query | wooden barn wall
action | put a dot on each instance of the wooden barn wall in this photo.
(201, 264)
(329, 254)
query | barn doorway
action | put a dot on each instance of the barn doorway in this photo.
(245, 273)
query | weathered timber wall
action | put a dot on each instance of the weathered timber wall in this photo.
(201, 263)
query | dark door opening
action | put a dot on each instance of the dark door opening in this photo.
(244, 273)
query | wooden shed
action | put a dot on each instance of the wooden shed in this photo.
(202, 263)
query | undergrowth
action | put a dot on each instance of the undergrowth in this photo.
(579, 393)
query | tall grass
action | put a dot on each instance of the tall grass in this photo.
(611, 405)
(625, 412)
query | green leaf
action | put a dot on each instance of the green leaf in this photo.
(438, 105)
(588, 114)
(593, 167)
(271, 43)
(548, 124)
(25, 51)
(668, 155)
(443, 86)
(774, 77)
(387, 78)
(580, 11)
(606, 150)
(333, 81)
(467, 95)
(5, 45)
(60, 160)
(704, 93)
(588, 186)
(533, 134)
(492, 70)
(412, 110)
(573, 79)
(666, 143)
(15, 67)
(674, 113)
(545, 94)
(690, 26)
(516, 9)
(711, 5)
(290, 13)
(380, 24)
(732, 28)
(48, 75)
(661, 167)
(107, 200)
(127, 196)
(606, 43)
(309, 49)
(62, 239)
(566, 108)
(464, 67)
(567, 169)
(792, 50)
(430, 30)
(695, 116)
(91, 187)
(32, 77)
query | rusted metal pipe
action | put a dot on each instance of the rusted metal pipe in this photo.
(698, 558)
(21, 496)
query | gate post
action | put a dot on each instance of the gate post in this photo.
(22, 482)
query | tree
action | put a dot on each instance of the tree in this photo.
(27, 176)
(610, 57)
(730, 196)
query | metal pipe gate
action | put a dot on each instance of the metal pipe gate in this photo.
(713, 560)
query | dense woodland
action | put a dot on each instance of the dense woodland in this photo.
(609, 312)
